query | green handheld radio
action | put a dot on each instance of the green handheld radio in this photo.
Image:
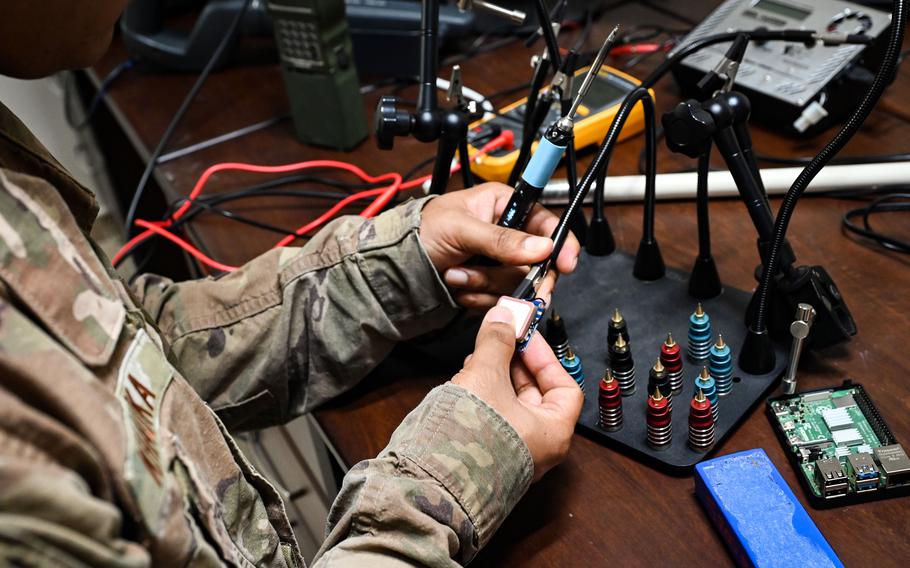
(319, 73)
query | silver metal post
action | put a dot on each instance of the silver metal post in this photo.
(799, 329)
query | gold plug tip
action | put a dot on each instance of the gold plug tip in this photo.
(620, 342)
(700, 396)
(704, 373)
(670, 342)
(699, 311)
(617, 317)
(720, 342)
(658, 366)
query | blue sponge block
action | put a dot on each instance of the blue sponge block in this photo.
(757, 515)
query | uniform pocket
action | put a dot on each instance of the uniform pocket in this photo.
(235, 507)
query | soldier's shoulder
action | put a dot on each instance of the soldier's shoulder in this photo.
(48, 265)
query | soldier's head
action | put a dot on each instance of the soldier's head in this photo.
(41, 37)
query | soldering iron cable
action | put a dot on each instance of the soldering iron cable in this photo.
(175, 120)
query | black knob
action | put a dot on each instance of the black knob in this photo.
(739, 106)
(688, 128)
(390, 122)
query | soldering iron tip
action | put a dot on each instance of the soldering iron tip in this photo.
(613, 33)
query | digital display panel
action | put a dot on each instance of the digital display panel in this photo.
(786, 10)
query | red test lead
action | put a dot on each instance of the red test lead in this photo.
(701, 423)
(610, 403)
(659, 420)
(671, 358)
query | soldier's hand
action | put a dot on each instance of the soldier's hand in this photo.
(532, 391)
(462, 224)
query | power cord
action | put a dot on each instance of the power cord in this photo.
(178, 116)
(881, 205)
(381, 190)
(102, 91)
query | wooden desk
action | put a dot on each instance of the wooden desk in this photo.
(600, 506)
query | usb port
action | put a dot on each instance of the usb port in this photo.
(865, 474)
(831, 478)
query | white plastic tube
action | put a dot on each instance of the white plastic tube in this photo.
(720, 183)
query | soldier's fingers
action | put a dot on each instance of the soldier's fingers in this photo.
(508, 246)
(488, 200)
(492, 279)
(560, 395)
(543, 222)
(476, 301)
(495, 343)
(524, 383)
(543, 365)
(545, 291)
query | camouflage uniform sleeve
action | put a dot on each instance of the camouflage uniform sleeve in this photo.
(436, 494)
(297, 326)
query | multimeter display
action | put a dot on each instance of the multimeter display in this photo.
(592, 119)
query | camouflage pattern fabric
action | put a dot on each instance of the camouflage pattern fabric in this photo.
(451, 446)
(109, 452)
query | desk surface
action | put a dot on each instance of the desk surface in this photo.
(600, 505)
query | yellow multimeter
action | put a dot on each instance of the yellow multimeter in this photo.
(592, 119)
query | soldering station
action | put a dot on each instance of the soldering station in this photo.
(670, 360)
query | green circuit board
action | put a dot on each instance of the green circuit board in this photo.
(839, 443)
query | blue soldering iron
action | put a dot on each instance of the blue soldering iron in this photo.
(526, 308)
(549, 151)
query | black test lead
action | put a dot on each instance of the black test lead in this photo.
(623, 366)
(617, 327)
(658, 380)
(556, 335)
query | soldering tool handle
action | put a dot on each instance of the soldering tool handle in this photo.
(515, 215)
(530, 185)
(541, 111)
